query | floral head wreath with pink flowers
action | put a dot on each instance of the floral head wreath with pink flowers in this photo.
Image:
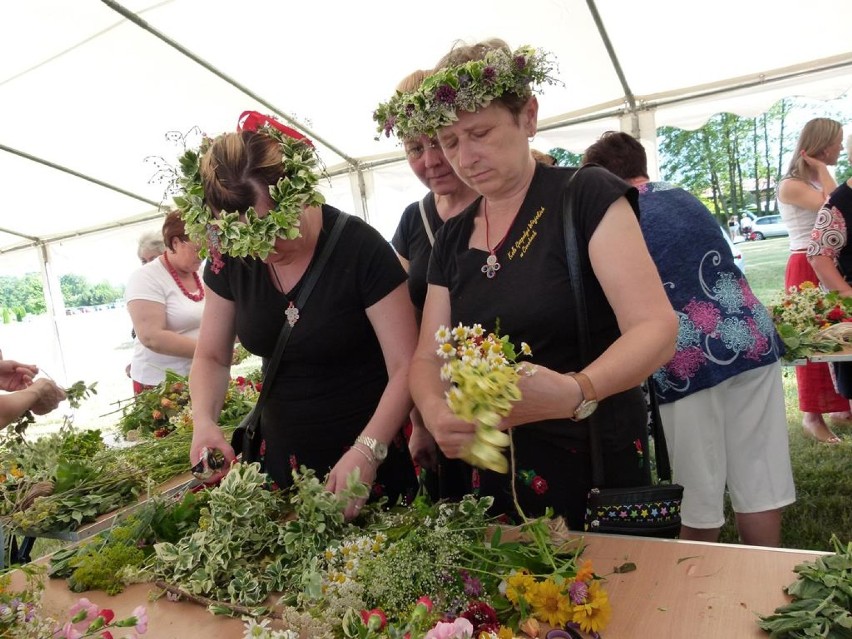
(466, 87)
(244, 233)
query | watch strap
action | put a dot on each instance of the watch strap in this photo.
(586, 387)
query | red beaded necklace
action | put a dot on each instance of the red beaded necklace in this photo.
(195, 297)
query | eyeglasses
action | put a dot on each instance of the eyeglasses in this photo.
(416, 150)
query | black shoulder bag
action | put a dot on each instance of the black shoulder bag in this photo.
(650, 511)
(246, 440)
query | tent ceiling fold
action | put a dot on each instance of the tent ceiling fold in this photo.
(83, 87)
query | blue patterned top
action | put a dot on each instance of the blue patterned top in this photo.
(724, 329)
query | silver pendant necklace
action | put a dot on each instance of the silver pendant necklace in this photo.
(491, 265)
(291, 312)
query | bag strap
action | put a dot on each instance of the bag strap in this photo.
(575, 272)
(314, 272)
(426, 225)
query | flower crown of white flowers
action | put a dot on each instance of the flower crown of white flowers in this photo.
(253, 236)
(466, 87)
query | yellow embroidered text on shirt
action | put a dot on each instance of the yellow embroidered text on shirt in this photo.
(526, 239)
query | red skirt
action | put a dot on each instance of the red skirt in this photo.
(816, 388)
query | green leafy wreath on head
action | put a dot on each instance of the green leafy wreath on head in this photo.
(466, 87)
(245, 233)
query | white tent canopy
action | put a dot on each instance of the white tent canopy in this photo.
(89, 88)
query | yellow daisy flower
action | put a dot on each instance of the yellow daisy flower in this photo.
(593, 616)
(518, 587)
(550, 604)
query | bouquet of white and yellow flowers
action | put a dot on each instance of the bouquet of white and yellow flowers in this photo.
(484, 372)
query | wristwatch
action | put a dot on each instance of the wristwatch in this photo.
(379, 450)
(589, 403)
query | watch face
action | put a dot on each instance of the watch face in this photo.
(585, 409)
(380, 451)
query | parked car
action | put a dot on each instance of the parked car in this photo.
(739, 260)
(768, 226)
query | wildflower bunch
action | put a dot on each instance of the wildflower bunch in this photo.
(466, 87)
(161, 410)
(804, 316)
(579, 601)
(484, 373)
(21, 616)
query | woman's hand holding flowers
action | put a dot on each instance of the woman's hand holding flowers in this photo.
(546, 395)
(48, 396)
(483, 372)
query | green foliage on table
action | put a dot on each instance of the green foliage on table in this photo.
(100, 562)
(822, 599)
(102, 489)
(237, 533)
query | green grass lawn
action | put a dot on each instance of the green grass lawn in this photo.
(823, 474)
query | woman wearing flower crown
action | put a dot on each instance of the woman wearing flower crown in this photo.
(165, 299)
(801, 193)
(413, 240)
(339, 397)
(501, 263)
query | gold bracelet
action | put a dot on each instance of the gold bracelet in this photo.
(366, 455)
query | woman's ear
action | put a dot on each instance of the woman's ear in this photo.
(529, 117)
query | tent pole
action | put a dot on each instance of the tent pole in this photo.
(55, 305)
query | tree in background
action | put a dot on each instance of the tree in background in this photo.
(25, 295)
(733, 163)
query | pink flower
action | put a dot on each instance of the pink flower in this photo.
(461, 628)
(141, 615)
(69, 632)
(82, 605)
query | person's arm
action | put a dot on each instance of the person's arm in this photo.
(41, 397)
(428, 390)
(208, 378)
(828, 275)
(648, 324)
(823, 249)
(392, 319)
(149, 321)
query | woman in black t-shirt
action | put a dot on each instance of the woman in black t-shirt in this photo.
(340, 396)
(503, 262)
(413, 240)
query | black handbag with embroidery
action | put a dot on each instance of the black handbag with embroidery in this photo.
(653, 510)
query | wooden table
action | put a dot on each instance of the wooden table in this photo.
(679, 590)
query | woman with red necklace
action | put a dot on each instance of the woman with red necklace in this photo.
(165, 299)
